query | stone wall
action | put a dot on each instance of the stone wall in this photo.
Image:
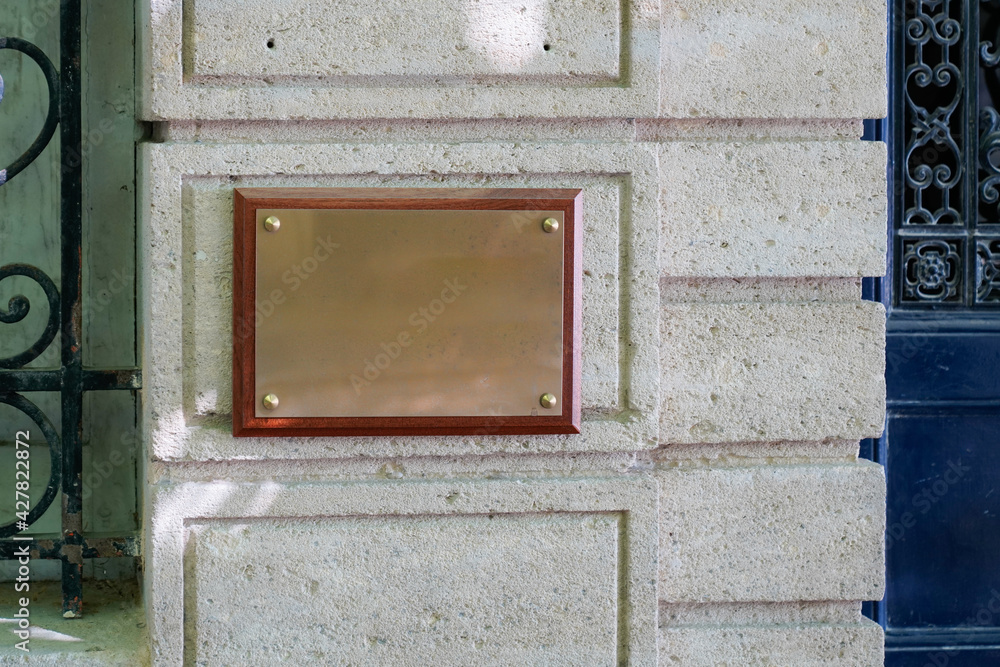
(712, 512)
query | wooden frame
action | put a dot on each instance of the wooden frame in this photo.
(249, 200)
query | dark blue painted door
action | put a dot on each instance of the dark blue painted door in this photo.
(941, 446)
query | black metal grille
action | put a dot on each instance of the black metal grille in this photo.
(946, 153)
(64, 319)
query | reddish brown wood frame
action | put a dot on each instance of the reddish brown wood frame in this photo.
(248, 200)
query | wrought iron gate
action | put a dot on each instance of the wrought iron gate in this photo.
(65, 320)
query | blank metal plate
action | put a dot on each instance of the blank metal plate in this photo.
(383, 313)
(406, 311)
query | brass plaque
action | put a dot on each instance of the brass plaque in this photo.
(405, 313)
(409, 311)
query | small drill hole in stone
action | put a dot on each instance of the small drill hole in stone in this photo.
(270, 43)
(547, 47)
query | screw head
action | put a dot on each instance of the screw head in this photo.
(270, 402)
(550, 225)
(548, 401)
(272, 224)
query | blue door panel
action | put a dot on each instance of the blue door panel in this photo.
(943, 520)
(925, 366)
(936, 657)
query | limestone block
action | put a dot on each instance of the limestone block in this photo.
(187, 195)
(772, 371)
(773, 208)
(200, 59)
(773, 58)
(511, 590)
(809, 645)
(779, 533)
(299, 38)
(453, 572)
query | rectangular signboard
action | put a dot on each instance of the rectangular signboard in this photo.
(406, 311)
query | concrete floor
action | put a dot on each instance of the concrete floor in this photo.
(111, 632)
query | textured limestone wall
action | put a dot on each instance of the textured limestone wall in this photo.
(712, 512)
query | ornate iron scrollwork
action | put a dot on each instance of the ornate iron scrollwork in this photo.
(51, 118)
(989, 151)
(71, 380)
(932, 269)
(988, 158)
(17, 310)
(947, 139)
(19, 306)
(20, 403)
(932, 88)
(988, 271)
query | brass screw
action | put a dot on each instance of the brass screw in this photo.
(270, 402)
(272, 224)
(550, 225)
(548, 401)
